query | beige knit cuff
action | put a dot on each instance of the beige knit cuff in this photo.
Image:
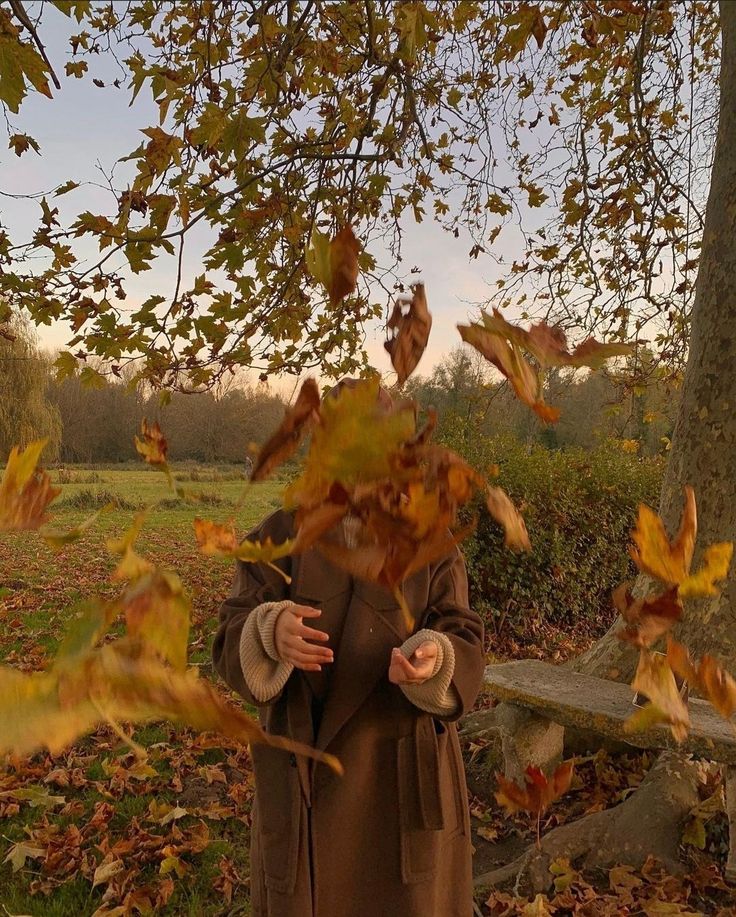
(436, 695)
(263, 671)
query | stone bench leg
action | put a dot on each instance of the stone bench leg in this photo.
(527, 738)
(730, 794)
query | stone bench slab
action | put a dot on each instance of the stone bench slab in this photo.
(598, 705)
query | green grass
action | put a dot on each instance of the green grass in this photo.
(39, 590)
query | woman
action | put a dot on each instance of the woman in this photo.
(327, 660)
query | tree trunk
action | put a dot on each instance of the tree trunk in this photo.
(704, 442)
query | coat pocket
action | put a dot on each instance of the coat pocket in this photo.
(429, 794)
(279, 807)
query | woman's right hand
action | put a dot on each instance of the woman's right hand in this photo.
(292, 637)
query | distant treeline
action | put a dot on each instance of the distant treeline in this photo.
(96, 425)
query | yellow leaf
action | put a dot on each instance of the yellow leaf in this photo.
(716, 562)
(25, 490)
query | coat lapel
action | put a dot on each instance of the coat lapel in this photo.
(362, 658)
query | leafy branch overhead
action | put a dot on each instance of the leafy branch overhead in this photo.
(274, 133)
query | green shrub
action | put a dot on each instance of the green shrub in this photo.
(579, 509)
(88, 499)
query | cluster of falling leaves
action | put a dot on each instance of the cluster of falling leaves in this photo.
(651, 617)
(94, 679)
(367, 460)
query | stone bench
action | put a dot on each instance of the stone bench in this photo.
(542, 699)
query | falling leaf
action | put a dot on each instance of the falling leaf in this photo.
(709, 677)
(152, 445)
(215, 539)
(649, 618)
(56, 538)
(220, 540)
(538, 793)
(503, 344)
(507, 515)
(655, 679)
(25, 490)
(716, 563)
(334, 263)
(653, 553)
(507, 358)
(290, 433)
(408, 328)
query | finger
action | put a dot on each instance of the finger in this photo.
(427, 650)
(305, 666)
(305, 611)
(309, 633)
(403, 664)
(302, 659)
(310, 650)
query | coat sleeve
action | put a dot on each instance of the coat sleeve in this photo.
(449, 614)
(253, 586)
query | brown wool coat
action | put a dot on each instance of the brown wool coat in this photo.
(390, 837)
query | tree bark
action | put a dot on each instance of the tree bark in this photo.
(703, 449)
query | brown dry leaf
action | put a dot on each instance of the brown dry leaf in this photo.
(508, 359)
(290, 433)
(408, 333)
(344, 250)
(152, 445)
(502, 344)
(655, 679)
(649, 618)
(538, 793)
(25, 490)
(507, 515)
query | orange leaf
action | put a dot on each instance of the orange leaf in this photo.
(290, 433)
(655, 679)
(213, 538)
(713, 681)
(344, 250)
(538, 793)
(649, 618)
(506, 514)
(25, 490)
(408, 333)
(152, 445)
(653, 553)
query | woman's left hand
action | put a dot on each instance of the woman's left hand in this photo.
(416, 670)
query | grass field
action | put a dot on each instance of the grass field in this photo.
(170, 834)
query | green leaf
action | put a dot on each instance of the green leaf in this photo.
(20, 63)
(66, 365)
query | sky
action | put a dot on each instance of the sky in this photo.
(83, 130)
